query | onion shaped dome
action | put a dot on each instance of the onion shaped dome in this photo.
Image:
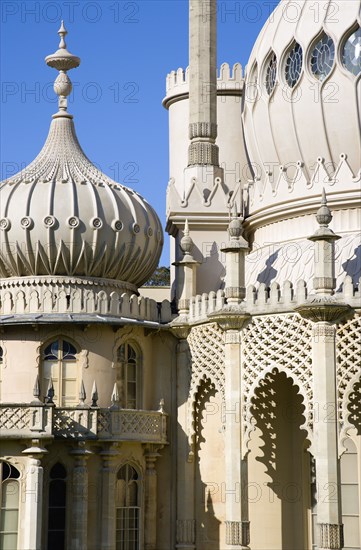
(302, 99)
(62, 216)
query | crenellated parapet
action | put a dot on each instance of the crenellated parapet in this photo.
(65, 297)
(230, 80)
(268, 300)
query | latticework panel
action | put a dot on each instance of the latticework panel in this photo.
(206, 344)
(348, 371)
(281, 342)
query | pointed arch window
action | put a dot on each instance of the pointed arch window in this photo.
(351, 53)
(350, 496)
(323, 57)
(129, 363)
(271, 73)
(128, 509)
(61, 366)
(294, 63)
(57, 508)
(9, 506)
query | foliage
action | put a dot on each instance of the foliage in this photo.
(160, 277)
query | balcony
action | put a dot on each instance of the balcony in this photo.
(27, 421)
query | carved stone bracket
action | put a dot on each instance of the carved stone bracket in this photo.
(323, 310)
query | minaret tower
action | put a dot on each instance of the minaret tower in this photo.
(199, 189)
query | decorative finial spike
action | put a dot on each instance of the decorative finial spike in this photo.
(82, 395)
(324, 198)
(62, 60)
(36, 389)
(94, 395)
(115, 397)
(50, 393)
(234, 210)
(186, 228)
(62, 32)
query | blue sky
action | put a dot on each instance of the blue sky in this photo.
(126, 50)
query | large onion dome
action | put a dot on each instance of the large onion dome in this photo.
(302, 105)
(62, 216)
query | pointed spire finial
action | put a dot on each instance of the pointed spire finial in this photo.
(94, 395)
(62, 60)
(62, 32)
(50, 393)
(82, 395)
(115, 399)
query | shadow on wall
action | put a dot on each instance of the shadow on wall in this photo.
(278, 412)
(269, 271)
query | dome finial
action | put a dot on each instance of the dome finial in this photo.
(62, 32)
(63, 61)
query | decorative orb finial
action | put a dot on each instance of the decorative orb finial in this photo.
(63, 61)
(186, 243)
(235, 228)
(324, 215)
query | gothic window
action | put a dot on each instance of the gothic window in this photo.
(323, 57)
(128, 361)
(294, 64)
(60, 365)
(57, 508)
(351, 53)
(271, 73)
(9, 509)
(350, 497)
(127, 509)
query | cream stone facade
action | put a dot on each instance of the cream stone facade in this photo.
(226, 415)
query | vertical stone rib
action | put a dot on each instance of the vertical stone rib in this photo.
(203, 83)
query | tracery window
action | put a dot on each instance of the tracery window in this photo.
(323, 57)
(351, 53)
(128, 509)
(60, 365)
(294, 63)
(271, 73)
(128, 361)
(57, 508)
(9, 509)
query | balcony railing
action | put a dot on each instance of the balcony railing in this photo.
(18, 421)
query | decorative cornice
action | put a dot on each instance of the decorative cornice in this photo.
(231, 317)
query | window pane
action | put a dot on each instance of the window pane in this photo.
(69, 370)
(349, 468)
(57, 493)
(9, 521)
(56, 519)
(349, 495)
(351, 532)
(8, 541)
(56, 540)
(58, 471)
(10, 494)
(52, 351)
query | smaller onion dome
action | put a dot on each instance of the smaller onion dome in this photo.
(63, 216)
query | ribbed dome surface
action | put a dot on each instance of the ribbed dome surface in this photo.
(302, 101)
(62, 216)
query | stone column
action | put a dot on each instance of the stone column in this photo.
(79, 503)
(108, 482)
(231, 319)
(33, 497)
(325, 312)
(150, 488)
(186, 531)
